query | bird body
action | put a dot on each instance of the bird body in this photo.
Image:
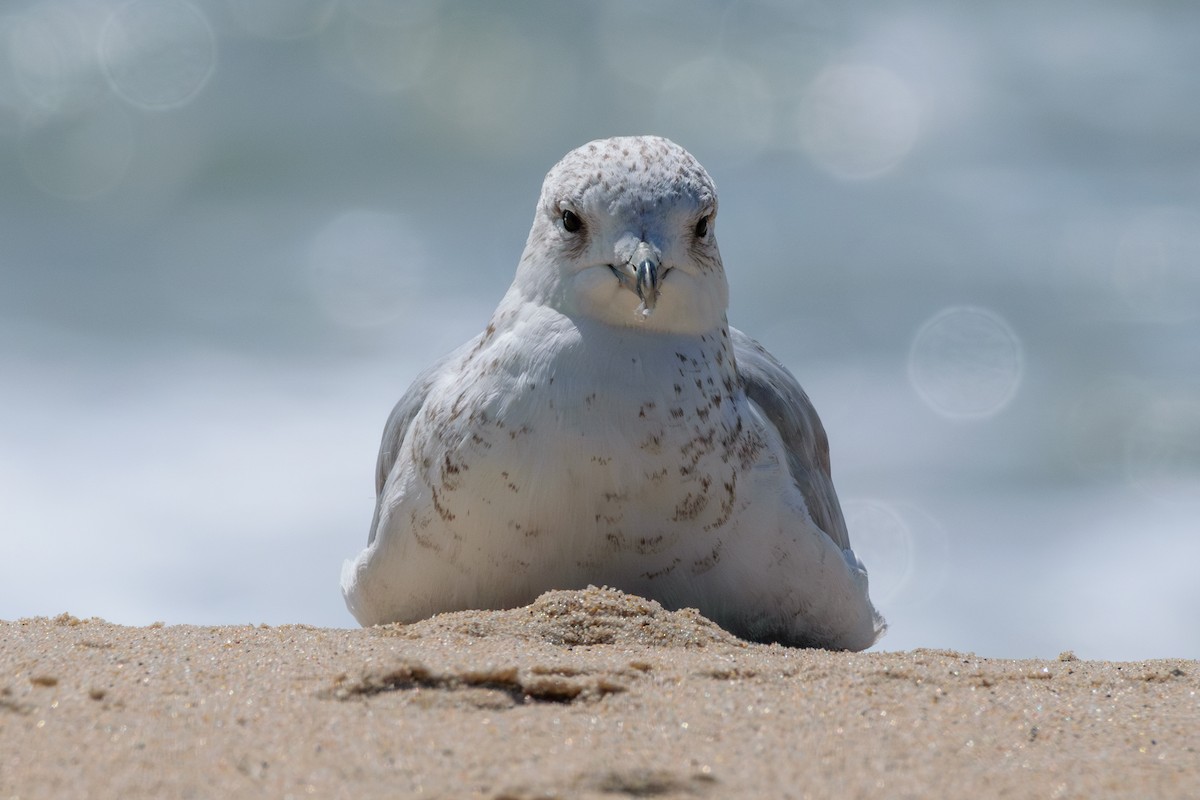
(600, 431)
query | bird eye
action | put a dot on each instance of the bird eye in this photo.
(702, 228)
(571, 221)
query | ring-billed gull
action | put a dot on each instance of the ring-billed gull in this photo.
(609, 427)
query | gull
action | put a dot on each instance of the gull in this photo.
(609, 427)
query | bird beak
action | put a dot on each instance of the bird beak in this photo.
(645, 263)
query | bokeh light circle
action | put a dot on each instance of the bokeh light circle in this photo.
(858, 120)
(158, 53)
(51, 52)
(966, 362)
(904, 548)
(883, 539)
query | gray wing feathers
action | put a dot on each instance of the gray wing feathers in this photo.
(398, 423)
(406, 410)
(769, 385)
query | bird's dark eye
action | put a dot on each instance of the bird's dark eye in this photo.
(571, 221)
(702, 228)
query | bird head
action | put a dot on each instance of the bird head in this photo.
(624, 234)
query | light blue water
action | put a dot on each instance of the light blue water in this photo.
(231, 233)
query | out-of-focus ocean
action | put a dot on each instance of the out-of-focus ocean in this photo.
(232, 232)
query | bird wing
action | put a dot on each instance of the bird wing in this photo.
(770, 386)
(400, 420)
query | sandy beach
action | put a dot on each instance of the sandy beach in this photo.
(591, 693)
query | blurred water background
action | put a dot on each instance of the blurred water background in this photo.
(232, 232)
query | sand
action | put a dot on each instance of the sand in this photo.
(581, 694)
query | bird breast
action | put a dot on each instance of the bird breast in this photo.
(615, 440)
